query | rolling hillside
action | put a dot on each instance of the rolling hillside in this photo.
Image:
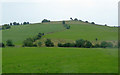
(56, 32)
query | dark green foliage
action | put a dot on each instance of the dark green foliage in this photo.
(9, 43)
(63, 22)
(6, 26)
(110, 45)
(24, 23)
(45, 20)
(49, 43)
(86, 22)
(97, 46)
(27, 43)
(14, 23)
(39, 44)
(66, 26)
(2, 45)
(105, 24)
(11, 24)
(75, 19)
(103, 44)
(71, 18)
(66, 45)
(80, 43)
(88, 44)
(96, 39)
(92, 23)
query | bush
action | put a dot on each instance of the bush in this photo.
(45, 20)
(63, 22)
(75, 19)
(80, 43)
(86, 22)
(6, 26)
(2, 45)
(103, 44)
(60, 45)
(88, 44)
(9, 43)
(92, 23)
(97, 46)
(49, 43)
(27, 43)
(110, 45)
(39, 44)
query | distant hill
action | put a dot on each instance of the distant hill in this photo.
(56, 31)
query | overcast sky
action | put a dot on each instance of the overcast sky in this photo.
(98, 11)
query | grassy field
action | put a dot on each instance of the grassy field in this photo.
(19, 33)
(60, 60)
(86, 31)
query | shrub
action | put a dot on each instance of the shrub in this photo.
(60, 45)
(75, 19)
(80, 43)
(45, 20)
(86, 21)
(9, 43)
(104, 44)
(27, 43)
(39, 44)
(88, 44)
(92, 23)
(110, 45)
(97, 46)
(6, 26)
(63, 22)
(49, 43)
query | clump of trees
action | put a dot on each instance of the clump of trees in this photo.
(45, 20)
(49, 43)
(9, 43)
(29, 42)
(6, 26)
(86, 44)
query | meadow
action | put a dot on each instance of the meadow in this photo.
(60, 60)
(19, 33)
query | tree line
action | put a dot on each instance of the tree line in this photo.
(30, 42)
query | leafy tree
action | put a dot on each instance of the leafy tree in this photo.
(71, 18)
(75, 19)
(45, 20)
(96, 39)
(105, 24)
(39, 44)
(97, 46)
(86, 21)
(6, 26)
(104, 44)
(88, 44)
(9, 43)
(80, 43)
(92, 23)
(110, 45)
(14, 23)
(11, 24)
(63, 22)
(24, 23)
(60, 45)
(49, 43)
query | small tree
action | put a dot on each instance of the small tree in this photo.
(80, 43)
(14, 23)
(104, 44)
(75, 19)
(96, 39)
(92, 23)
(11, 24)
(39, 44)
(45, 20)
(9, 43)
(88, 44)
(71, 18)
(86, 21)
(60, 45)
(63, 22)
(49, 43)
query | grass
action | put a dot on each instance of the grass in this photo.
(60, 60)
(19, 33)
(86, 31)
